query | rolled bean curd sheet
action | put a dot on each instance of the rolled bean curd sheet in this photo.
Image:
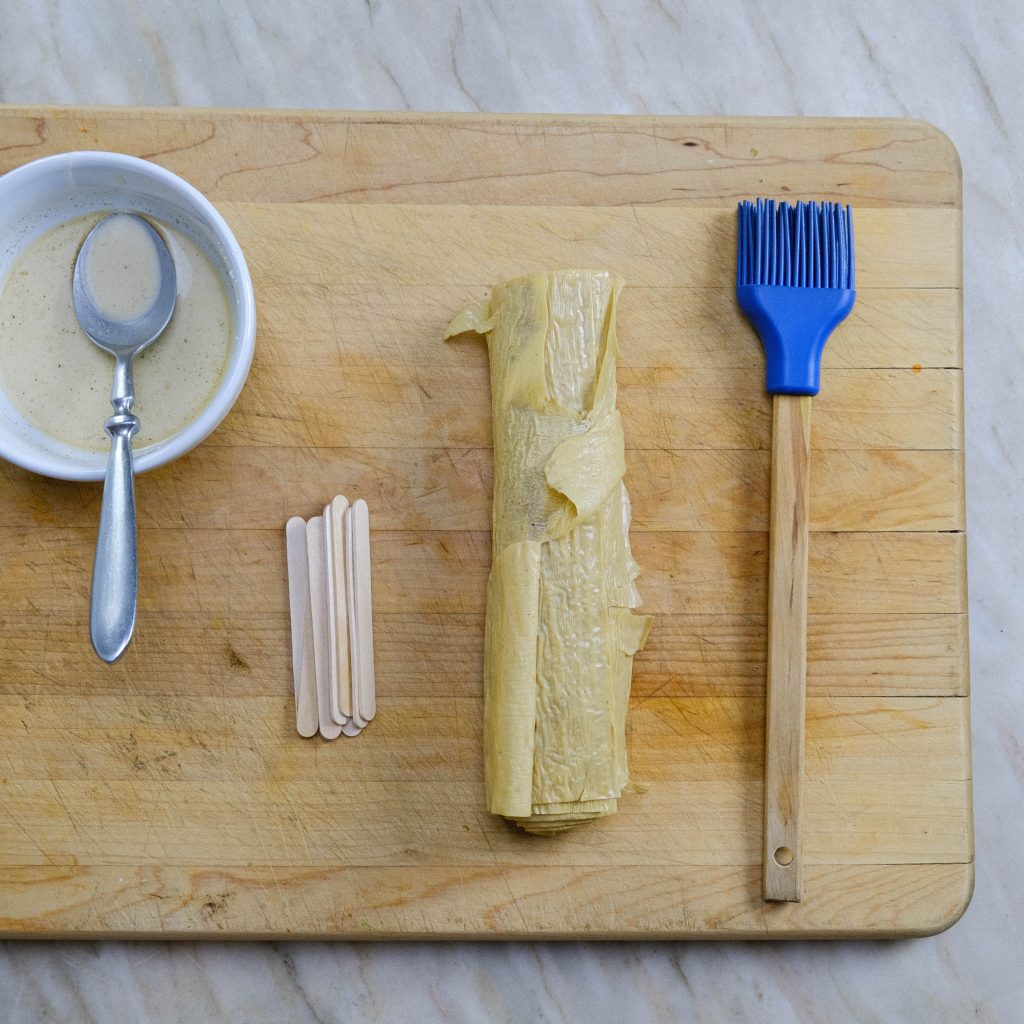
(560, 630)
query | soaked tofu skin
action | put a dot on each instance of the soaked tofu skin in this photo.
(560, 628)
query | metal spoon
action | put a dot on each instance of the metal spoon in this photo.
(115, 576)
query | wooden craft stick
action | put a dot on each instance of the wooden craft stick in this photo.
(353, 635)
(307, 719)
(329, 729)
(357, 524)
(334, 546)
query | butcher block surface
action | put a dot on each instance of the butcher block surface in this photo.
(170, 796)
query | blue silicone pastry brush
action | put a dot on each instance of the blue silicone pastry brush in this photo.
(795, 283)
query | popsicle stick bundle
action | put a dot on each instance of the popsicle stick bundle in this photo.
(331, 620)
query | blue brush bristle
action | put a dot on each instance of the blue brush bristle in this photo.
(806, 245)
(795, 282)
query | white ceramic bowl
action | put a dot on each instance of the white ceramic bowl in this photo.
(41, 194)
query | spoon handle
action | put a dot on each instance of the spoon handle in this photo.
(115, 574)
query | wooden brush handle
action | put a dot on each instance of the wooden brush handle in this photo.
(787, 648)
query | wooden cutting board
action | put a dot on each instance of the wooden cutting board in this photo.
(170, 795)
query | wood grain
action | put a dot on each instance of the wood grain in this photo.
(672, 490)
(445, 572)
(297, 406)
(888, 328)
(509, 160)
(168, 795)
(786, 696)
(441, 655)
(180, 777)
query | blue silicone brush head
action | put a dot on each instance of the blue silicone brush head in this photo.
(795, 283)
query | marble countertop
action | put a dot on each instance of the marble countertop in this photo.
(954, 64)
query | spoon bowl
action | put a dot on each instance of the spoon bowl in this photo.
(119, 335)
(122, 322)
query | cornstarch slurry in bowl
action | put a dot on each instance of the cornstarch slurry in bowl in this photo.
(60, 382)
